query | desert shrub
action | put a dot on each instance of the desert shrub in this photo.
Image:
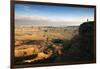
(21, 59)
(57, 41)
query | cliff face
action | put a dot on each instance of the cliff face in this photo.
(86, 33)
(81, 47)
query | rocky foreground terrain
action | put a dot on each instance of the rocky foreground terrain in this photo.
(36, 45)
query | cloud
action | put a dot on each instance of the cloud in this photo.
(31, 17)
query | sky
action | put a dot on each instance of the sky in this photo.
(46, 15)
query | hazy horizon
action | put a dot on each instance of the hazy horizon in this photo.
(44, 15)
